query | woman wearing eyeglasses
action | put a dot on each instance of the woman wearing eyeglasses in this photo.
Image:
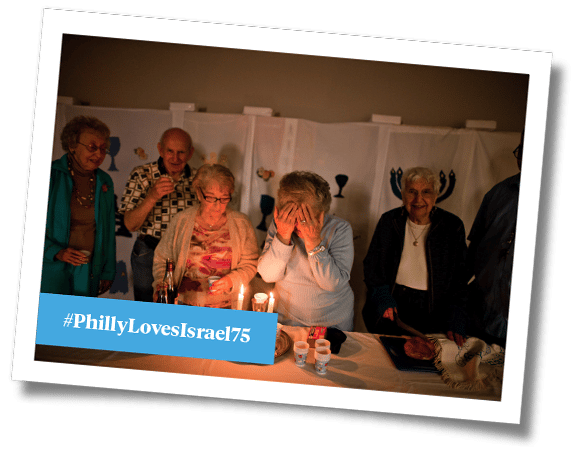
(415, 265)
(80, 245)
(209, 240)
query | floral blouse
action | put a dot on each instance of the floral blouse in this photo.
(209, 254)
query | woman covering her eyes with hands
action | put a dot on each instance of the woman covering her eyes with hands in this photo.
(308, 254)
(209, 240)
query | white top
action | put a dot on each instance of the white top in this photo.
(413, 270)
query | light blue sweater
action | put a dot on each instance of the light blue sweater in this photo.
(312, 290)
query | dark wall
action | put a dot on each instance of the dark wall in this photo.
(150, 75)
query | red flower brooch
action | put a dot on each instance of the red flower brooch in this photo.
(105, 188)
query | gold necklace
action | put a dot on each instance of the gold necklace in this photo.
(91, 198)
(416, 242)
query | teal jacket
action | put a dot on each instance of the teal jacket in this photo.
(55, 273)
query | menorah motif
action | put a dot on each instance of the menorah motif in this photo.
(396, 182)
(114, 150)
(450, 188)
(398, 174)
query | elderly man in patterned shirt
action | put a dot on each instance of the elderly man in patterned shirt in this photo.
(153, 194)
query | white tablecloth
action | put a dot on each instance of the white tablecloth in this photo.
(362, 363)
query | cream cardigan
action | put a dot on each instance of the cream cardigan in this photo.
(175, 243)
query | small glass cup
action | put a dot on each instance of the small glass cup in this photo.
(301, 349)
(259, 302)
(87, 254)
(211, 280)
(322, 343)
(322, 358)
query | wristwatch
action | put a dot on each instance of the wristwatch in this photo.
(320, 249)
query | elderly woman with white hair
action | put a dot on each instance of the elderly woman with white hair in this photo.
(415, 265)
(308, 254)
(209, 240)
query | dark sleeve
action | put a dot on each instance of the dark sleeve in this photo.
(109, 259)
(51, 245)
(458, 319)
(476, 235)
(376, 267)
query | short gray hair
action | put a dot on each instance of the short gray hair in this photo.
(415, 173)
(304, 187)
(80, 124)
(214, 172)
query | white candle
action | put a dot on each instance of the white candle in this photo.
(240, 299)
(271, 301)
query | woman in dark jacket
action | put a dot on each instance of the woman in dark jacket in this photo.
(415, 266)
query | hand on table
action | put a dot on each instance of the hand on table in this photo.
(309, 226)
(457, 338)
(285, 221)
(72, 256)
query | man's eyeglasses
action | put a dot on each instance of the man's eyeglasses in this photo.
(92, 148)
(518, 152)
(213, 199)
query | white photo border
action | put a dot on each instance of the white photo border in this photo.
(56, 23)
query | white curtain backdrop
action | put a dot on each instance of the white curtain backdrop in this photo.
(370, 155)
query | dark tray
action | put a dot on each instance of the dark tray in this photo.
(395, 348)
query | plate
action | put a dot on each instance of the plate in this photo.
(282, 344)
(396, 350)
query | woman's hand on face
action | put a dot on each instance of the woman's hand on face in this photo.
(285, 220)
(310, 226)
(72, 256)
(221, 286)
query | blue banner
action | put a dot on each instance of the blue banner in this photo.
(150, 328)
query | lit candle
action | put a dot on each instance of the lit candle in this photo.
(271, 301)
(240, 299)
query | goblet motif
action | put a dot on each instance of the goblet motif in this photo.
(341, 181)
(114, 150)
(267, 203)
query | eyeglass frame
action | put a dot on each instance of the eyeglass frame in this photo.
(517, 150)
(92, 148)
(215, 199)
(426, 194)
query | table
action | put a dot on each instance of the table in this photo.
(362, 363)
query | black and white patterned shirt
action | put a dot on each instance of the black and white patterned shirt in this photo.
(141, 180)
